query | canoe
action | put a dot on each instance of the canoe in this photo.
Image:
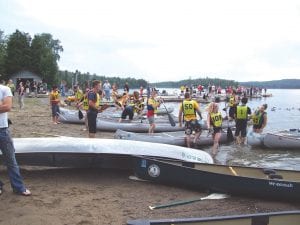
(236, 180)
(86, 152)
(172, 138)
(289, 139)
(112, 124)
(118, 113)
(272, 218)
(136, 125)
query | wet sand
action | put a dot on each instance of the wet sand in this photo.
(98, 196)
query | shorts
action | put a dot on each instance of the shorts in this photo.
(55, 110)
(217, 130)
(92, 121)
(192, 125)
(241, 128)
(151, 120)
(128, 111)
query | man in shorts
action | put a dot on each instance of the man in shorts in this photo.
(188, 111)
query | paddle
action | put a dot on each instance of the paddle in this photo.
(171, 120)
(80, 114)
(175, 203)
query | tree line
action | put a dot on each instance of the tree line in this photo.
(40, 55)
(199, 81)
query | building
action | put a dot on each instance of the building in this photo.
(25, 76)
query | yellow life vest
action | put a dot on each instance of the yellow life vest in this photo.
(85, 103)
(231, 101)
(241, 112)
(78, 95)
(152, 104)
(54, 95)
(98, 100)
(216, 119)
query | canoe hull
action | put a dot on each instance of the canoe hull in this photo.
(273, 218)
(85, 152)
(204, 178)
(280, 140)
(172, 138)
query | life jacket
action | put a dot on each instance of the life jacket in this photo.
(78, 95)
(188, 108)
(150, 103)
(241, 112)
(231, 101)
(54, 95)
(258, 118)
(85, 103)
(216, 119)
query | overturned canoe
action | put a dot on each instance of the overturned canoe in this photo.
(236, 180)
(112, 124)
(272, 218)
(136, 125)
(289, 139)
(172, 138)
(85, 152)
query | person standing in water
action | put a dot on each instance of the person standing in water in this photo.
(259, 118)
(241, 118)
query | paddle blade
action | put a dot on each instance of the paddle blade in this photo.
(171, 120)
(80, 114)
(229, 135)
(215, 196)
(183, 202)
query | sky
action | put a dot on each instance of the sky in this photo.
(167, 40)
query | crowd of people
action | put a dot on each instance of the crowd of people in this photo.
(92, 101)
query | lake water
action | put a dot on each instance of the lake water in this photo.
(285, 116)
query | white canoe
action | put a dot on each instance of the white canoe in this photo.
(136, 125)
(112, 124)
(289, 139)
(67, 146)
(172, 138)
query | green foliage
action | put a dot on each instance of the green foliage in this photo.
(203, 81)
(45, 54)
(2, 53)
(284, 84)
(21, 52)
(85, 79)
(18, 55)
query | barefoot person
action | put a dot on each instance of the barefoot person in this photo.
(7, 147)
(188, 110)
(94, 107)
(152, 105)
(54, 102)
(241, 118)
(214, 120)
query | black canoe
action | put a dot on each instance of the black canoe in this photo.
(236, 180)
(274, 218)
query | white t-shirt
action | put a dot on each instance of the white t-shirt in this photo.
(4, 92)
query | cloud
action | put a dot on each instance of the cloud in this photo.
(168, 40)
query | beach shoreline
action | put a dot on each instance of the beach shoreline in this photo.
(99, 196)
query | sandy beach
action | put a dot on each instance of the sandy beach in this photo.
(98, 196)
